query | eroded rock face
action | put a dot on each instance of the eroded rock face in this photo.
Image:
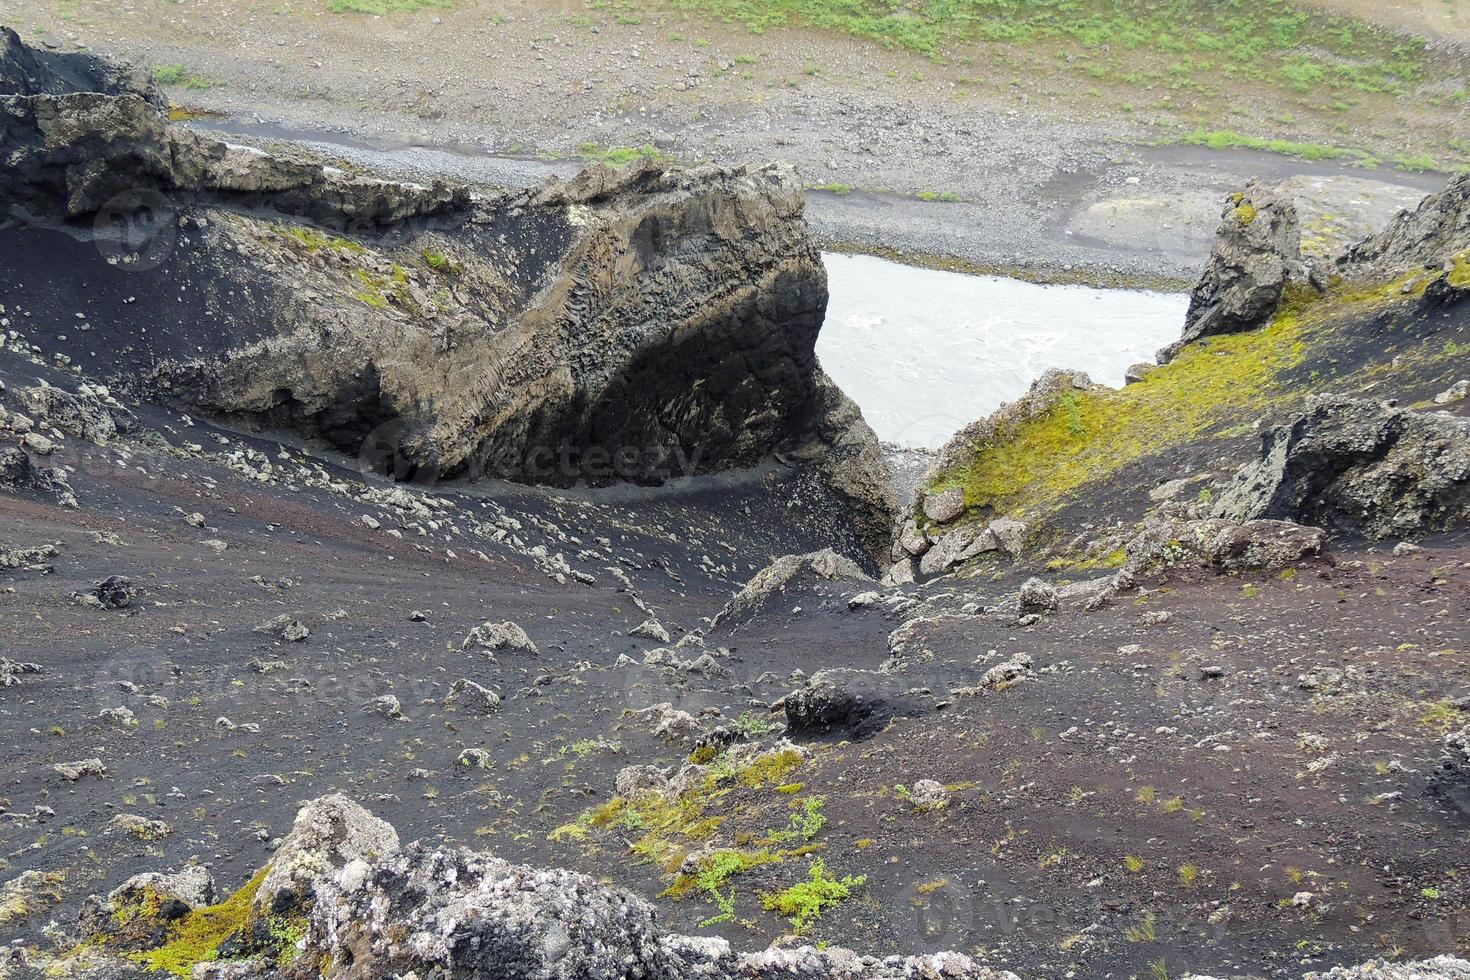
(1257, 253)
(627, 325)
(1360, 469)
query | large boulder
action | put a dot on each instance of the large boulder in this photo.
(1256, 255)
(1360, 469)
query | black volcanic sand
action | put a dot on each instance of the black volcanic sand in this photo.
(1234, 793)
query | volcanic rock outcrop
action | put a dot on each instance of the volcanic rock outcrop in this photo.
(1359, 468)
(639, 324)
(1256, 255)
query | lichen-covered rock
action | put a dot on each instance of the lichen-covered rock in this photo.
(1360, 469)
(329, 833)
(1438, 968)
(136, 914)
(1256, 255)
(1219, 545)
(825, 564)
(498, 637)
(454, 914)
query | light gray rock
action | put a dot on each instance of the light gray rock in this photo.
(1038, 596)
(825, 564)
(497, 637)
(466, 695)
(651, 629)
(941, 508)
(329, 833)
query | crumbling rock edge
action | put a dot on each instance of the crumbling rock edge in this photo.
(633, 325)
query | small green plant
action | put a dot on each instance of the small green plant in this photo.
(752, 725)
(806, 822)
(802, 904)
(1133, 863)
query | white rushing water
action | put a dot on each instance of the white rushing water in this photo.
(924, 353)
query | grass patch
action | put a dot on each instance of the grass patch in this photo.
(381, 7)
(617, 156)
(177, 75)
(1225, 139)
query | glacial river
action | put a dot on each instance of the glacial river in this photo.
(926, 352)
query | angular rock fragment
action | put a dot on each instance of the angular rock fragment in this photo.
(499, 636)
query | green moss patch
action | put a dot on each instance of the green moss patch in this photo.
(803, 903)
(1213, 388)
(726, 819)
(197, 937)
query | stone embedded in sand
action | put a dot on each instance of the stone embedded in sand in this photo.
(499, 636)
(651, 629)
(633, 781)
(384, 706)
(1358, 468)
(73, 771)
(133, 825)
(468, 696)
(822, 707)
(11, 671)
(328, 833)
(1037, 596)
(285, 627)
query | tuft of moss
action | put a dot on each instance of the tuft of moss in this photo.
(197, 937)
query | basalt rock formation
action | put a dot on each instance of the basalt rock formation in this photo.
(1256, 255)
(640, 324)
(1359, 468)
(1234, 416)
